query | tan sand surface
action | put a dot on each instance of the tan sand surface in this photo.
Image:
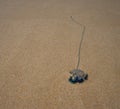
(39, 46)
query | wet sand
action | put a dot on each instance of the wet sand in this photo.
(39, 46)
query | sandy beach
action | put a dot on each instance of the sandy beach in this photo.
(39, 46)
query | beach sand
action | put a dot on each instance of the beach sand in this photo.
(39, 46)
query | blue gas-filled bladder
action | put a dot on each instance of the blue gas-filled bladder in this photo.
(75, 79)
